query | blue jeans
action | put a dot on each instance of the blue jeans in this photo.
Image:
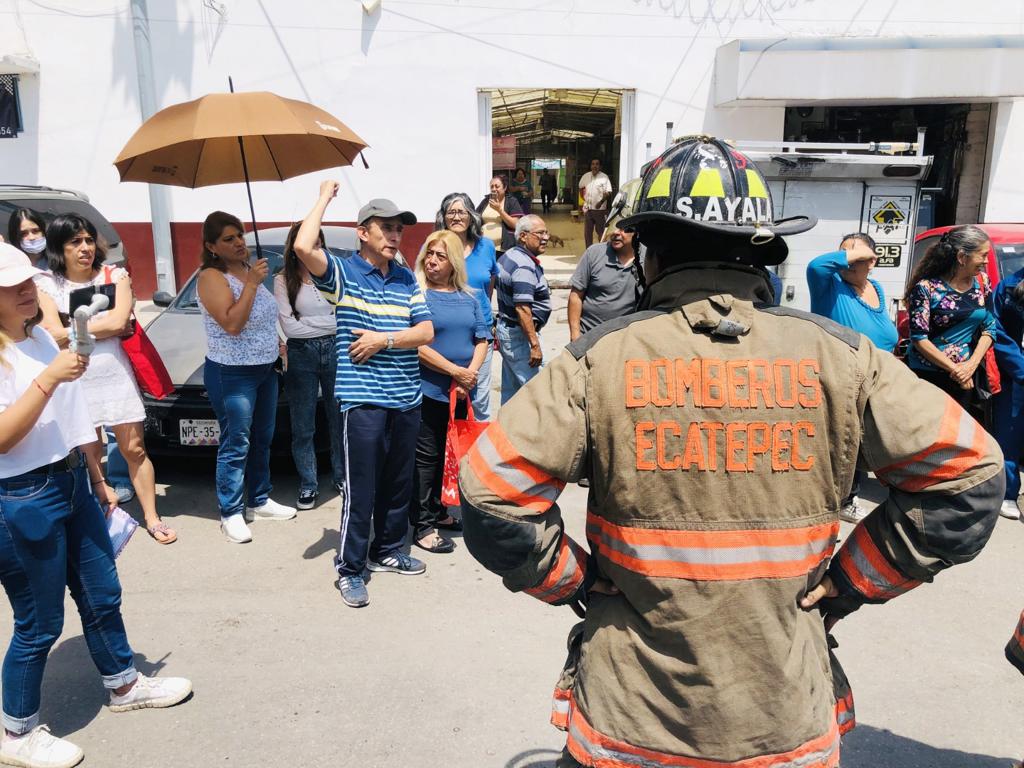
(482, 393)
(117, 467)
(244, 398)
(311, 367)
(380, 460)
(52, 533)
(515, 359)
(1008, 430)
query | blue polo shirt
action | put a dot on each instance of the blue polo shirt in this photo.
(364, 297)
(521, 281)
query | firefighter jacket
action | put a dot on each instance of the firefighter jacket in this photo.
(1015, 648)
(720, 435)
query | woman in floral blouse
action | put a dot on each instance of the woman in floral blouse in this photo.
(950, 326)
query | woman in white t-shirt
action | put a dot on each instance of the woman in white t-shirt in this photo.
(76, 261)
(309, 324)
(52, 530)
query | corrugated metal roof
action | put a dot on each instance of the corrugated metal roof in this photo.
(538, 114)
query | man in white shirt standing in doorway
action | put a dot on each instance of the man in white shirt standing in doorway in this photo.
(596, 191)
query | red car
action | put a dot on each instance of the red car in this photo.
(1004, 258)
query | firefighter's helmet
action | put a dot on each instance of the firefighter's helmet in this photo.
(702, 182)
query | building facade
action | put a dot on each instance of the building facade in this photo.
(417, 79)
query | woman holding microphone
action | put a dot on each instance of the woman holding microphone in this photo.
(53, 531)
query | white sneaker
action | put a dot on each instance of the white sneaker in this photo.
(1010, 510)
(156, 692)
(270, 510)
(235, 529)
(39, 749)
(852, 512)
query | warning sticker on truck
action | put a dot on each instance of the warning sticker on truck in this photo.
(889, 218)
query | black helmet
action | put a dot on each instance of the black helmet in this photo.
(701, 182)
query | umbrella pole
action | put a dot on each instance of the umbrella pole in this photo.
(248, 187)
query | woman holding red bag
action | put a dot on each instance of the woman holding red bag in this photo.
(76, 258)
(453, 358)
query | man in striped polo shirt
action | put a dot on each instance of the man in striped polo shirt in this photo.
(382, 318)
(524, 305)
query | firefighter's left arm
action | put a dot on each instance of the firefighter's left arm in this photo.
(945, 478)
(511, 478)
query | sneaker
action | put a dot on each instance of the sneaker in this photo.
(398, 563)
(852, 512)
(307, 499)
(353, 591)
(124, 495)
(1010, 510)
(270, 510)
(235, 529)
(39, 749)
(155, 692)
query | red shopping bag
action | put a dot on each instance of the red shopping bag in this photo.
(147, 365)
(462, 433)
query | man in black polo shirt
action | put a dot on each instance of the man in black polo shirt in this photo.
(605, 284)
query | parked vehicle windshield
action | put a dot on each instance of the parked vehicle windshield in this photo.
(1010, 257)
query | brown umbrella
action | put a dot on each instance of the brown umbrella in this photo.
(225, 138)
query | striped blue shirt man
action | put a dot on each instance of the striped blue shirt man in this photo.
(381, 319)
(367, 299)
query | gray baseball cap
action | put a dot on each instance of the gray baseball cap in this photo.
(384, 209)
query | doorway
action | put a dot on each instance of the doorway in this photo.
(556, 132)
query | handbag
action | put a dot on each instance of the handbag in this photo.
(462, 433)
(150, 371)
(987, 379)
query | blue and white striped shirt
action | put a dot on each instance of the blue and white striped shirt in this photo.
(365, 298)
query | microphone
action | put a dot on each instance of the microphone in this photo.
(84, 342)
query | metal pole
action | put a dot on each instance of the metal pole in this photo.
(159, 201)
(248, 188)
(668, 135)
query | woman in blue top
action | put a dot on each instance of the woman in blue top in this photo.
(951, 328)
(453, 358)
(842, 290)
(458, 216)
(1008, 404)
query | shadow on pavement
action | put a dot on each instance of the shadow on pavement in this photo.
(327, 543)
(870, 747)
(533, 758)
(73, 692)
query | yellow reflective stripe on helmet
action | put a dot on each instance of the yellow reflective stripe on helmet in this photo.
(708, 184)
(755, 185)
(661, 185)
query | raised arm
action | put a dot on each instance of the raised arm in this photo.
(306, 244)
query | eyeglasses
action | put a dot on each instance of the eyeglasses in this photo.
(457, 215)
(541, 233)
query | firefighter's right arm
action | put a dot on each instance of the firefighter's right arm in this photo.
(945, 478)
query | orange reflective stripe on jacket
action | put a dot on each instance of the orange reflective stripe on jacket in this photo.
(869, 571)
(509, 476)
(845, 717)
(565, 576)
(1015, 648)
(713, 555)
(960, 446)
(595, 749)
(560, 708)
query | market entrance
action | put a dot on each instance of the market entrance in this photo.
(556, 132)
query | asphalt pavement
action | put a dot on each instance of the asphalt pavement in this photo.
(448, 669)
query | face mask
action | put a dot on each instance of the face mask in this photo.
(33, 245)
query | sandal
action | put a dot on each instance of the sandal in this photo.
(162, 533)
(441, 546)
(454, 525)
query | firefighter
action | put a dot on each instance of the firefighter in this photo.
(720, 436)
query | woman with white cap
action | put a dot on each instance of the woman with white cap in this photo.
(52, 530)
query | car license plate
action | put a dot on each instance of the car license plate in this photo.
(199, 432)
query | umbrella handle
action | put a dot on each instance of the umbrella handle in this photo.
(249, 190)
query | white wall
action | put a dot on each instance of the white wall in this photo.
(1004, 190)
(406, 79)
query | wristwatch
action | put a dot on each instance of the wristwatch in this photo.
(391, 341)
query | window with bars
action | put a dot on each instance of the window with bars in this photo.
(10, 107)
